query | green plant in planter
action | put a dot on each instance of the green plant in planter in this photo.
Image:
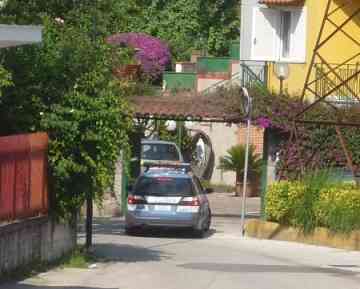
(235, 161)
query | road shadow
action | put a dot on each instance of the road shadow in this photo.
(255, 268)
(116, 226)
(106, 226)
(171, 233)
(26, 286)
(108, 252)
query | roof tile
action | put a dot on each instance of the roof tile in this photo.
(283, 2)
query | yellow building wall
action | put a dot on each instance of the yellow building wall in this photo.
(336, 51)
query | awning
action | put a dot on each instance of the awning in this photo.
(14, 35)
(283, 2)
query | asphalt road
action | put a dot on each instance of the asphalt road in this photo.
(222, 260)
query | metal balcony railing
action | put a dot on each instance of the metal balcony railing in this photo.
(249, 76)
(253, 75)
(346, 93)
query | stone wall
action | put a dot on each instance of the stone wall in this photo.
(33, 240)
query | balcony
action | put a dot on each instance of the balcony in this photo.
(331, 81)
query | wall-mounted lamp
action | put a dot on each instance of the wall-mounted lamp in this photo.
(282, 72)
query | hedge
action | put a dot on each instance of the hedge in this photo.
(306, 205)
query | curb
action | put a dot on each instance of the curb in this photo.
(320, 237)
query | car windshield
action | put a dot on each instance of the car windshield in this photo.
(160, 152)
(163, 186)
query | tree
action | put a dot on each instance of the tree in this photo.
(191, 24)
(65, 86)
(235, 160)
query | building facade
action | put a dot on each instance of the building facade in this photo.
(289, 31)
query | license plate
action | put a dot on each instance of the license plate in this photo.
(162, 200)
(162, 208)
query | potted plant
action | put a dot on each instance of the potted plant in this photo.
(235, 161)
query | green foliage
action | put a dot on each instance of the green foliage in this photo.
(191, 24)
(185, 24)
(235, 160)
(281, 199)
(338, 208)
(173, 136)
(78, 258)
(5, 79)
(314, 201)
(66, 88)
(65, 85)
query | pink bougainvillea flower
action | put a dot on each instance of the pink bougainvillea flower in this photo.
(152, 53)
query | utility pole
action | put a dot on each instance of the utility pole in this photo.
(247, 103)
(89, 195)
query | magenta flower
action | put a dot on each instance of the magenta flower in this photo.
(264, 122)
(152, 53)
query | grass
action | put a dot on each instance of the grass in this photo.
(78, 258)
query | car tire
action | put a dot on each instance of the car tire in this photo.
(199, 233)
(208, 223)
(130, 231)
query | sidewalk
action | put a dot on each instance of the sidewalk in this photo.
(227, 205)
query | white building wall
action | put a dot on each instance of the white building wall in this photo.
(246, 28)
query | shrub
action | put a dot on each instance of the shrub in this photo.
(314, 201)
(281, 199)
(338, 208)
(304, 211)
(153, 54)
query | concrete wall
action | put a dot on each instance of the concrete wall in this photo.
(33, 240)
(222, 137)
(204, 81)
(235, 67)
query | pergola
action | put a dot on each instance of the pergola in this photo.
(330, 75)
(189, 106)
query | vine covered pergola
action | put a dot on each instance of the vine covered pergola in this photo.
(324, 79)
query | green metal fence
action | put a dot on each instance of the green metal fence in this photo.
(180, 80)
(214, 64)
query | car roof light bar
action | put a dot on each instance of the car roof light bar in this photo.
(185, 167)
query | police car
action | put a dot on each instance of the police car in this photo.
(169, 195)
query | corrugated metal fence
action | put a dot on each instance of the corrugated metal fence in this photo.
(23, 176)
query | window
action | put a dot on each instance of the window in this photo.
(285, 37)
(276, 34)
(160, 152)
(163, 186)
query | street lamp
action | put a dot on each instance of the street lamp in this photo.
(247, 105)
(282, 72)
